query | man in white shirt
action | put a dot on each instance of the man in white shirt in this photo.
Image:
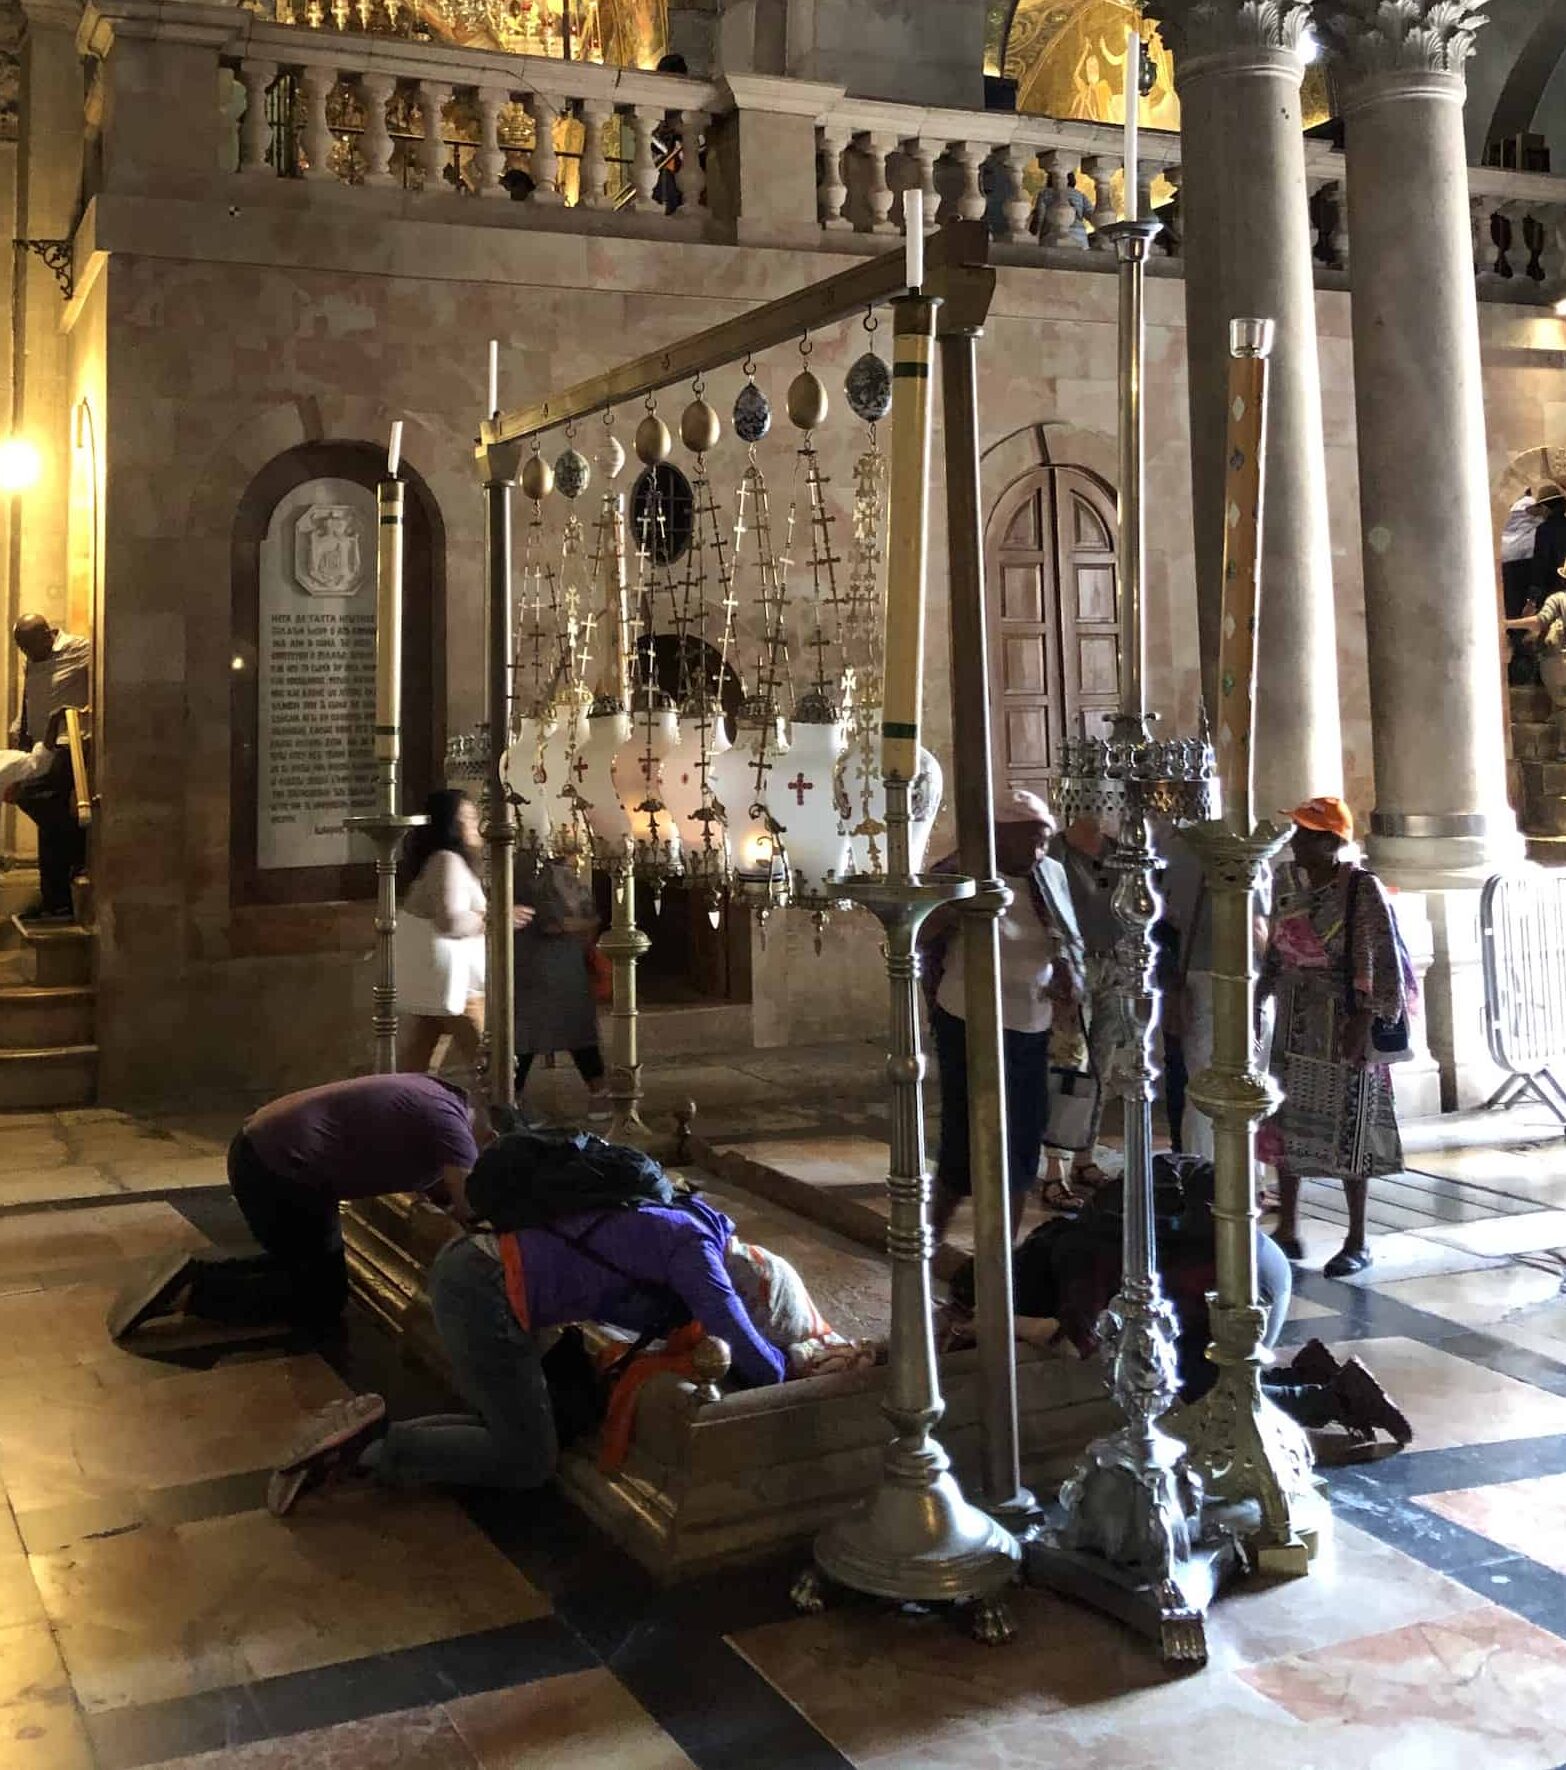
(56, 676)
(1041, 968)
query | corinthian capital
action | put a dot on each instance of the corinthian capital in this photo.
(1194, 28)
(1416, 36)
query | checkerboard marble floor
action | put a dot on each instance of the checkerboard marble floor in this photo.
(153, 1614)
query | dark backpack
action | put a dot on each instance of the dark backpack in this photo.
(527, 1179)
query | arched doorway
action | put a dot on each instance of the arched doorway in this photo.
(1053, 575)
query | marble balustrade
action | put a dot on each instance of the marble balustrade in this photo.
(779, 161)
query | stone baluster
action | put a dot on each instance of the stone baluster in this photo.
(1484, 255)
(878, 193)
(316, 83)
(924, 154)
(1148, 172)
(1338, 239)
(1528, 237)
(1060, 227)
(375, 143)
(1247, 252)
(490, 162)
(831, 187)
(593, 192)
(691, 179)
(1101, 168)
(1441, 822)
(1172, 239)
(1318, 206)
(544, 164)
(1014, 159)
(645, 118)
(433, 99)
(970, 157)
(255, 132)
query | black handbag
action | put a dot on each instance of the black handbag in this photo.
(1390, 1039)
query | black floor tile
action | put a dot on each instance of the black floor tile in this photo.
(154, 1732)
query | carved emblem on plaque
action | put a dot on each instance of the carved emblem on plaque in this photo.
(328, 558)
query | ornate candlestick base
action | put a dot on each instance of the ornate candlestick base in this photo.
(916, 1538)
(386, 830)
(1254, 1461)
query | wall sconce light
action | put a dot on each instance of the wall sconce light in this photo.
(20, 465)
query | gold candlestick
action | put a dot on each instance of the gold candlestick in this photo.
(1251, 1457)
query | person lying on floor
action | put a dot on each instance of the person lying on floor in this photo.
(290, 1166)
(659, 1265)
(1068, 1270)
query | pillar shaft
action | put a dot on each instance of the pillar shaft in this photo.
(1441, 815)
(1248, 255)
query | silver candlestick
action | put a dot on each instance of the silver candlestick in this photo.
(1128, 1541)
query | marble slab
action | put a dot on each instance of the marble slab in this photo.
(1531, 1232)
(579, 1721)
(412, 1739)
(1526, 1516)
(49, 1241)
(1483, 1297)
(162, 1612)
(68, 1435)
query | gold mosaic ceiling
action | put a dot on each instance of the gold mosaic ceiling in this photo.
(624, 33)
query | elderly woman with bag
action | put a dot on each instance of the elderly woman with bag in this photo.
(1341, 978)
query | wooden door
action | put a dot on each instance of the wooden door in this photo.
(1054, 608)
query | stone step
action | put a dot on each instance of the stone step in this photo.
(1529, 700)
(34, 1016)
(63, 952)
(696, 1029)
(51, 1076)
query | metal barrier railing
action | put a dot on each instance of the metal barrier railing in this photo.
(1522, 943)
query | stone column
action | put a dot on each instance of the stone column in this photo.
(1442, 822)
(1247, 253)
(1441, 815)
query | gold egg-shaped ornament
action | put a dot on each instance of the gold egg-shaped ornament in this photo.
(538, 478)
(653, 442)
(700, 427)
(807, 400)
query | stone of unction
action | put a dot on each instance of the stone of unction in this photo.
(653, 442)
(752, 414)
(868, 388)
(807, 400)
(700, 427)
(315, 763)
(572, 473)
(538, 478)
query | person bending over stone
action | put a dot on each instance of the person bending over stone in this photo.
(290, 1166)
(648, 1269)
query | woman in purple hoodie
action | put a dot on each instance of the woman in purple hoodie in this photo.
(645, 1270)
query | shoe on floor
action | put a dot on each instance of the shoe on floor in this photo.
(1313, 1363)
(155, 1293)
(331, 1443)
(1365, 1405)
(1346, 1262)
(1291, 1247)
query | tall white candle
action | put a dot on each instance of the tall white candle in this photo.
(494, 378)
(1133, 104)
(913, 230)
(394, 452)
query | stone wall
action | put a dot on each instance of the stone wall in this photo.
(224, 350)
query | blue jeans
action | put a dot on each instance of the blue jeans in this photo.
(1025, 1057)
(509, 1439)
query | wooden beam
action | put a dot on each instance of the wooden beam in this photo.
(956, 249)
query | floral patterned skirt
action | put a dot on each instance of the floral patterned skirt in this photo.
(1337, 1118)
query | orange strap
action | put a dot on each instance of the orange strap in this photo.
(516, 1279)
(614, 1441)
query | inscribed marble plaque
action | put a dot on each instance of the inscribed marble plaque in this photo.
(316, 676)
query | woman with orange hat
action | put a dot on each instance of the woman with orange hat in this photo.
(1337, 967)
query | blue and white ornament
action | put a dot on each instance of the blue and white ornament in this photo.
(752, 414)
(572, 473)
(868, 388)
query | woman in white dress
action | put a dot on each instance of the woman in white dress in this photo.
(440, 935)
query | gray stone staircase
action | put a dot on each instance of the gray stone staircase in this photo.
(48, 1007)
(1538, 772)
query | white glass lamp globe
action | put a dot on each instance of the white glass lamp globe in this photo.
(756, 857)
(607, 730)
(525, 775)
(640, 766)
(801, 798)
